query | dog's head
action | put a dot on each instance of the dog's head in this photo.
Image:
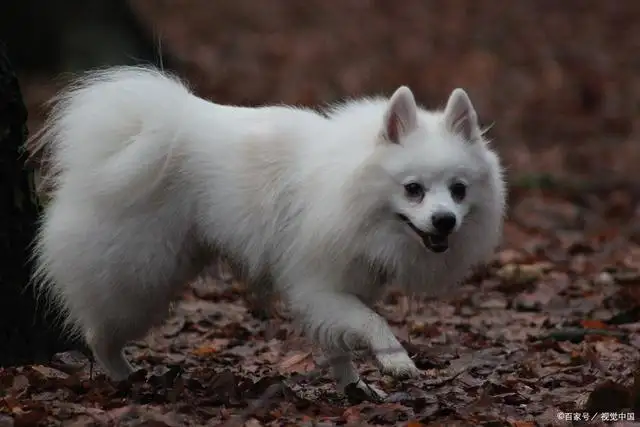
(442, 171)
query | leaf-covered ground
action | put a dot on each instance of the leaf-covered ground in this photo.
(550, 328)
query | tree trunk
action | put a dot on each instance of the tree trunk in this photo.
(27, 334)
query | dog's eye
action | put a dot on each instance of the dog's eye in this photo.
(414, 190)
(458, 191)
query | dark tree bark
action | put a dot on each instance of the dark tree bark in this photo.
(27, 334)
(75, 35)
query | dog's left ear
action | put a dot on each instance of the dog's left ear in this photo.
(401, 116)
(460, 117)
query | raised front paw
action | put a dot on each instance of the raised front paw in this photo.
(397, 364)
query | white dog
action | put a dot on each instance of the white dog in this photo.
(151, 182)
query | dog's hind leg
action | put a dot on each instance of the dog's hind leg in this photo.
(118, 318)
(107, 349)
(115, 276)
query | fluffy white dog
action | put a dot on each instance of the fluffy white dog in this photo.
(151, 182)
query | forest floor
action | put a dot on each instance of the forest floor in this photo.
(547, 334)
(549, 330)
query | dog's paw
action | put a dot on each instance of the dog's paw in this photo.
(398, 365)
(360, 391)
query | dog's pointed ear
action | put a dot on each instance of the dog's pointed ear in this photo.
(401, 116)
(460, 116)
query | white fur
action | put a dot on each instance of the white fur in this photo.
(151, 181)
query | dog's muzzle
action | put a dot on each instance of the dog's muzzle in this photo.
(436, 243)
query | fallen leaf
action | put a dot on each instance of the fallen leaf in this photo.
(522, 274)
(298, 362)
(593, 324)
(352, 414)
(203, 351)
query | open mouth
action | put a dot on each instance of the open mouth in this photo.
(436, 243)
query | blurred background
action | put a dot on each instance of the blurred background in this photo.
(560, 79)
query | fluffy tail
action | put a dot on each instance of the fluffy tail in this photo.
(114, 127)
(109, 138)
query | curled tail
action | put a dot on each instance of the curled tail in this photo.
(112, 130)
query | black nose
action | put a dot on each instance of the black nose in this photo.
(443, 222)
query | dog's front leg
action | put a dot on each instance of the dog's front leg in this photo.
(346, 374)
(341, 324)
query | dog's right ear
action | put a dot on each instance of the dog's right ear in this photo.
(401, 116)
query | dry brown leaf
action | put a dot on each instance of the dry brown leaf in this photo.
(593, 324)
(298, 362)
(203, 351)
